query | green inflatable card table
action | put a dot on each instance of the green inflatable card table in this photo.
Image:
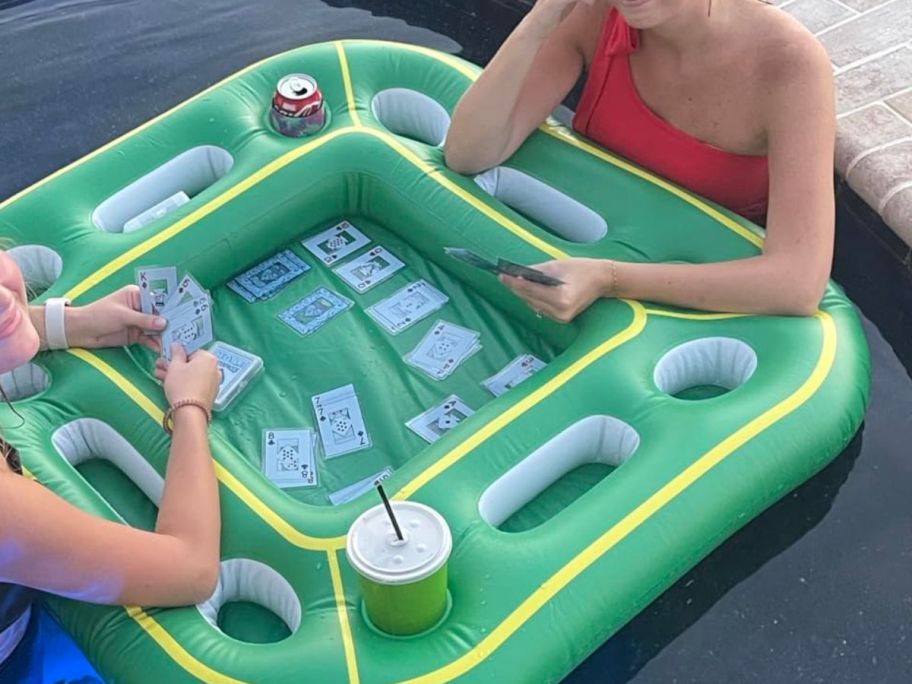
(575, 498)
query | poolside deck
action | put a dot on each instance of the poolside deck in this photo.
(870, 45)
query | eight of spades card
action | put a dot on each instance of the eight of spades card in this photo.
(340, 422)
(288, 458)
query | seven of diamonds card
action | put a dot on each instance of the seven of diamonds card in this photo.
(288, 458)
(312, 312)
(369, 269)
(340, 422)
(336, 243)
(436, 422)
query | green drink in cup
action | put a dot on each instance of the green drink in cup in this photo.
(403, 581)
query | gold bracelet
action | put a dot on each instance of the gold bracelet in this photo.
(612, 291)
(168, 419)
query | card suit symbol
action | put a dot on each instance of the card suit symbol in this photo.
(322, 418)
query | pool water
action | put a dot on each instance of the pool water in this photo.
(817, 589)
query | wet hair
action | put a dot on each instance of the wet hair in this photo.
(8, 451)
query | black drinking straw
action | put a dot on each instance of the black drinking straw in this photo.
(389, 510)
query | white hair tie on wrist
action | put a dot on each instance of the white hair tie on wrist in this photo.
(54, 326)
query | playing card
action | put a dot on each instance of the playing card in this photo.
(515, 372)
(268, 277)
(472, 259)
(443, 348)
(236, 368)
(532, 275)
(188, 290)
(239, 289)
(312, 312)
(288, 458)
(407, 306)
(340, 422)
(353, 491)
(156, 285)
(434, 423)
(369, 269)
(190, 325)
(336, 243)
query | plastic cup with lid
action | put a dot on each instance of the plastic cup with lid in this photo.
(404, 582)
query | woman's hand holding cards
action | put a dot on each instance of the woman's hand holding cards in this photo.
(113, 321)
(585, 280)
(195, 378)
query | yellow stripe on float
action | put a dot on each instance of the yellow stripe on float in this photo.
(349, 88)
(633, 520)
(516, 410)
(696, 315)
(470, 199)
(212, 205)
(177, 652)
(121, 382)
(348, 643)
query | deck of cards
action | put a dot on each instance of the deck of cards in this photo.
(443, 348)
(267, 278)
(183, 303)
(414, 302)
(339, 420)
(288, 458)
(236, 368)
(436, 422)
(519, 369)
(312, 312)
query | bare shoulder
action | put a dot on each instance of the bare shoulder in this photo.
(784, 53)
(584, 26)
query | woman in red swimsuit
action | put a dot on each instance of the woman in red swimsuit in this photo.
(732, 99)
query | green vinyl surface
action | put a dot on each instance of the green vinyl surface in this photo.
(533, 595)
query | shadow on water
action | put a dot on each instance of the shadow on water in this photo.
(682, 605)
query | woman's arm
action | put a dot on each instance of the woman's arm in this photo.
(48, 544)
(112, 321)
(790, 276)
(529, 76)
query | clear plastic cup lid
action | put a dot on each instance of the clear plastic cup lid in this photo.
(376, 553)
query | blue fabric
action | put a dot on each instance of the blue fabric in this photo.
(47, 655)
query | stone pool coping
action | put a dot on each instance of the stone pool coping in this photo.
(870, 45)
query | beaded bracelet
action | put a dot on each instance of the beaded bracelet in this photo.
(168, 419)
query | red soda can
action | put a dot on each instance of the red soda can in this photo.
(297, 106)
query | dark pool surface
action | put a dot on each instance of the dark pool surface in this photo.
(817, 589)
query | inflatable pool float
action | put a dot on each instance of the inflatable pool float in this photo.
(574, 499)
